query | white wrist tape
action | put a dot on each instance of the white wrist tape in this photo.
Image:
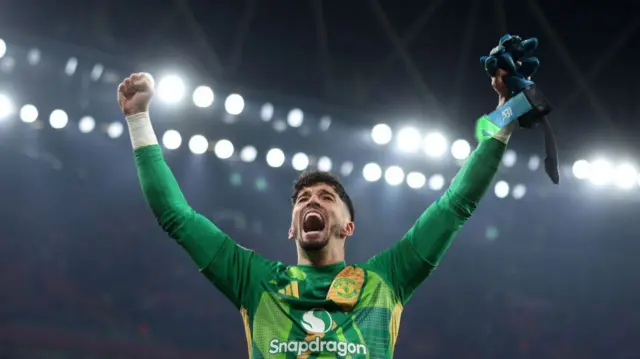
(504, 134)
(141, 130)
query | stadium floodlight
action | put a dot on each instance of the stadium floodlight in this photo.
(501, 189)
(33, 57)
(581, 169)
(601, 172)
(275, 157)
(625, 176)
(435, 144)
(172, 140)
(3, 48)
(248, 154)
(6, 106)
(460, 149)
(416, 180)
(203, 96)
(28, 113)
(223, 149)
(534, 163)
(371, 172)
(234, 104)
(325, 123)
(171, 89)
(96, 72)
(86, 124)
(346, 168)
(436, 182)
(115, 129)
(394, 175)
(198, 144)
(509, 158)
(409, 139)
(300, 161)
(324, 164)
(295, 117)
(519, 191)
(266, 112)
(58, 119)
(71, 66)
(381, 134)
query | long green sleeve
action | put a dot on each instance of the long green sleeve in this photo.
(410, 261)
(233, 269)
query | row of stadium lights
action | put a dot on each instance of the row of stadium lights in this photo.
(275, 157)
(171, 89)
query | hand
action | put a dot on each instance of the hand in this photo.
(135, 93)
(500, 87)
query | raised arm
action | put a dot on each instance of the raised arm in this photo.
(233, 269)
(406, 264)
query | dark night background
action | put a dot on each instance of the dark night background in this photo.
(86, 273)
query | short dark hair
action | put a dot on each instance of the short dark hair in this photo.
(311, 178)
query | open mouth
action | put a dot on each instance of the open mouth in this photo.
(313, 222)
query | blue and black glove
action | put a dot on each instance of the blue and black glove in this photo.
(513, 55)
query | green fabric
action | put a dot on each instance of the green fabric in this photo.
(288, 313)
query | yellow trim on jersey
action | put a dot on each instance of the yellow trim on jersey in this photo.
(247, 329)
(394, 325)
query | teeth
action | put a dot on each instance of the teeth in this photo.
(309, 214)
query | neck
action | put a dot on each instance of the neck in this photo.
(331, 254)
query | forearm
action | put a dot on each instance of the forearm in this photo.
(434, 231)
(195, 233)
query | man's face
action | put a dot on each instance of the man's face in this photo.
(319, 214)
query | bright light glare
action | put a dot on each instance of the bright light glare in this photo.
(234, 104)
(171, 89)
(115, 129)
(581, 169)
(203, 96)
(72, 65)
(346, 168)
(28, 113)
(625, 176)
(460, 149)
(223, 149)
(198, 144)
(266, 112)
(58, 119)
(394, 175)
(275, 157)
(371, 172)
(6, 106)
(381, 134)
(295, 117)
(324, 164)
(519, 191)
(86, 124)
(172, 140)
(436, 182)
(248, 154)
(416, 180)
(3, 48)
(509, 158)
(501, 189)
(409, 139)
(300, 161)
(601, 172)
(435, 145)
(534, 163)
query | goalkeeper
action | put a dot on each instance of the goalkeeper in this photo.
(321, 307)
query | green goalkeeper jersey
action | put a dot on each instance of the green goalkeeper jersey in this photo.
(336, 311)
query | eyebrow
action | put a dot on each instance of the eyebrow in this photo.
(322, 191)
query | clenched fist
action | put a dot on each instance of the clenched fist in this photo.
(135, 93)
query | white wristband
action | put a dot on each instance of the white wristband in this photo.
(504, 134)
(141, 130)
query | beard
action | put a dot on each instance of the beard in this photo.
(320, 241)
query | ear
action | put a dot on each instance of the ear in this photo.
(347, 229)
(290, 233)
